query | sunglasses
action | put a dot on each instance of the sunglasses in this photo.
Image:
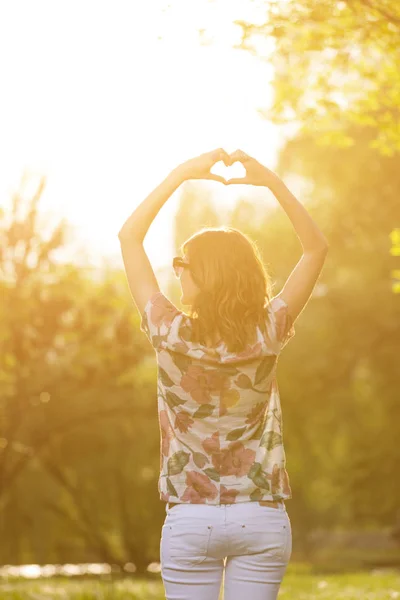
(179, 264)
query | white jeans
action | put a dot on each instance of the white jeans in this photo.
(247, 543)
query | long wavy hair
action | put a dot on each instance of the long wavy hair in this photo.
(234, 284)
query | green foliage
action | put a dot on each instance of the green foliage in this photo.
(79, 435)
(336, 64)
(76, 394)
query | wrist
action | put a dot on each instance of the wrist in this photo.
(179, 174)
(274, 183)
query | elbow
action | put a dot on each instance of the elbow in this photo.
(324, 246)
(320, 249)
(125, 235)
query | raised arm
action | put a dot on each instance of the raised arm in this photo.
(300, 283)
(141, 278)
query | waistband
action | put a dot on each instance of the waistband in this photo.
(272, 503)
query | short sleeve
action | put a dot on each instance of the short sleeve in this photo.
(284, 327)
(157, 319)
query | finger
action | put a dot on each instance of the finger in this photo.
(226, 157)
(220, 154)
(215, 178)
(240, 155)
(237, 180)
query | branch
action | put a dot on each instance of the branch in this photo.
(90, 531)
(389, 17)
(42, 442)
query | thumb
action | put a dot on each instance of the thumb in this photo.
(215, 178)
(237, 180)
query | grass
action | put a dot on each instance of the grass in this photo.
(299, 583)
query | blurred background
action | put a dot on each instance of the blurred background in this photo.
(99, 102)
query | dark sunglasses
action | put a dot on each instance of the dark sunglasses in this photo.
(179, 264)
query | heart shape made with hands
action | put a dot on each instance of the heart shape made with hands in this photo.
(233, 171)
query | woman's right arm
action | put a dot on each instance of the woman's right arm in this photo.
(300, 284)
(311, 237)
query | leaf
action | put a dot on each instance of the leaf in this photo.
(212, 474)
(264, 368)
(270, 439)
(256, 495)
(257, 476)
(177, 462)
(205, 410)
(243, 382)
(235, 434)
(258, 432)
(173, 400)
(200, 459)
(261, 481)
(181, 361)
(255, 469)
(165, 378)
(171, 488)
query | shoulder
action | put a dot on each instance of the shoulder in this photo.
(280, 318)
(160, 310)
(162, 321)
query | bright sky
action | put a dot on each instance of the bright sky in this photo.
(105, 98)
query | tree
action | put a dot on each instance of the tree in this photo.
(335, 65)
(351, 404)
(75, 384)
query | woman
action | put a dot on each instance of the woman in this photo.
(222, 459)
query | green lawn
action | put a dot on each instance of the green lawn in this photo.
(298, 584)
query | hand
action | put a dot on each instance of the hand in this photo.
(200, 166)
(256, 173)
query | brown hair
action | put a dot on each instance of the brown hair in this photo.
(234, 286)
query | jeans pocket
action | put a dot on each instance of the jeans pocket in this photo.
(186, 544)
(273, 540)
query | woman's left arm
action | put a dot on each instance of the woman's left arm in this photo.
(141, 278)
(199, 167)
(137, 225)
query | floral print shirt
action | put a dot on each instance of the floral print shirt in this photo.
(219, 413)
